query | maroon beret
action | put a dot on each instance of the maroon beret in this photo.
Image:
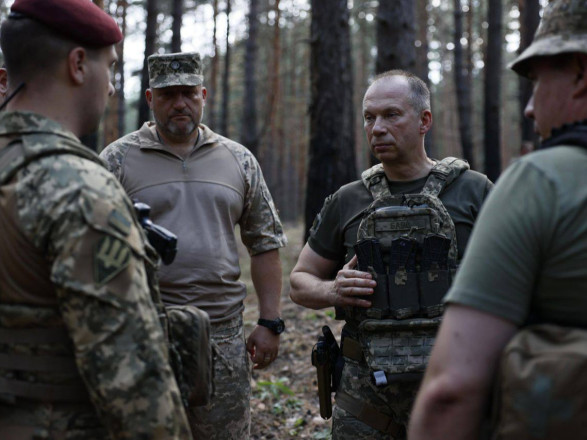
(78, 20)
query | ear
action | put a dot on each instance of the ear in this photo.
(149, 97)
(580, 75)
(425, 121)
(204, 93)
(77, 65)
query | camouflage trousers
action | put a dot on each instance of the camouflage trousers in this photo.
(228, 415)
(25, 420)
(395, 400)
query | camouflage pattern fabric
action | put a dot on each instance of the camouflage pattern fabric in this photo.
(78, 215)
(394, 400)
(562, 29)
(175, 69)
(227, 416)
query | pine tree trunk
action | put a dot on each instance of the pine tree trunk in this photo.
(176, 26)
(463, 92)
(422, 69)
(396, 35)
(331, 155)
(249, 133)
(213, 82)
(224, 123)
(122, 10)
(150, 41)
(492, 90)
(529, 19)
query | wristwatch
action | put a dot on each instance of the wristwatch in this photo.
(277, 325)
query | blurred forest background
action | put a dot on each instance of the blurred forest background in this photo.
(286, 79)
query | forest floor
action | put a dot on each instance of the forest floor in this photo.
(284, 402)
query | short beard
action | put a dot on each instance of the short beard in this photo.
(173, 130)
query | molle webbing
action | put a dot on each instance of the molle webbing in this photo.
(73, 391)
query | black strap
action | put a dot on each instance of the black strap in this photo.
(369, 414)
(44, 364)
(49, 335)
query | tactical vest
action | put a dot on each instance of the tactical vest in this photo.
(408, 243)
(49, 350)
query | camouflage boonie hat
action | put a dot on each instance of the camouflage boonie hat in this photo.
(175, 69)
(563, 29)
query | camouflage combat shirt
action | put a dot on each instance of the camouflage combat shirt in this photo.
(201, 198)
(72, 255)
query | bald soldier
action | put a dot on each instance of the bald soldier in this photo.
(82, 351)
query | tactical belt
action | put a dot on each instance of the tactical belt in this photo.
(368, 414)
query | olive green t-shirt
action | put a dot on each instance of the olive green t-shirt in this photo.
(528, 251)
(335, 229)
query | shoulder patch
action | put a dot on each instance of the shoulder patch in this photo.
(319, 216)
(111, 256)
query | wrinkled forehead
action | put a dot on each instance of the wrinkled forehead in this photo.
(387, 92)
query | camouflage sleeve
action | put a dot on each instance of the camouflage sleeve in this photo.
(261, 228)
(83, 220)
(113, 155)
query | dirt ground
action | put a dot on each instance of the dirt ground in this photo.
(284, 404)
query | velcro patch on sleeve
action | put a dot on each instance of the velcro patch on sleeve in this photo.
(111, 256)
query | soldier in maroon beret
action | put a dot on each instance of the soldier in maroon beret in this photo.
(82, 351)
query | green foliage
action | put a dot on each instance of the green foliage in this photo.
(322, 435)
(274, 389)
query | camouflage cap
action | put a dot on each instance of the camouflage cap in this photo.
(563, 29)
(175, 69)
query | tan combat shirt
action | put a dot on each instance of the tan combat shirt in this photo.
(201, 199)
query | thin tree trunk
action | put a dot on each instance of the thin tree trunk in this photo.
(529, 19)
(224, 123)
(213, 83)
(492, 92)
(150, 41)
(422, 69)
(176, 26)
(122, 8)
(275, 145)
(463, 92)
(249, 133)
(395, 36)
(331, 156)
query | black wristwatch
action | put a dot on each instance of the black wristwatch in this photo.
(277, 326)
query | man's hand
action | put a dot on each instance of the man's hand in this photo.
(350, 284)
(263, 346)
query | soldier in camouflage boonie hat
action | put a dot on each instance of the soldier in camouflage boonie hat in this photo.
(175, 69)
(563, 29)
